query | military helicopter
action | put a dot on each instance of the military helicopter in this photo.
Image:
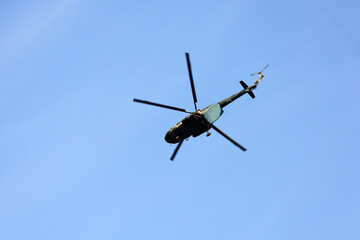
(202, 121)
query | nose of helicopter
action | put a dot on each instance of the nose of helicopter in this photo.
(169, 138)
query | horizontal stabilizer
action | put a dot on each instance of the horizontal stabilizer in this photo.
(245, 86)
(251, 94)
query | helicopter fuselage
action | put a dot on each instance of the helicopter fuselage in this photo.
(200, 121)
(194, 124)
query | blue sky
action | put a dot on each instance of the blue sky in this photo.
(80, 160)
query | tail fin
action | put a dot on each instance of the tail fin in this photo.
(245, 87)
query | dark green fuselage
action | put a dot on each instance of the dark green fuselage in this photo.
(197, 123)
(193, 125)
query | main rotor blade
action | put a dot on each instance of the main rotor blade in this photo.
(160, 105)
(191, 79)
(176, 150)
(227, 137)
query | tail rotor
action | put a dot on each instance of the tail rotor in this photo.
(260, 73)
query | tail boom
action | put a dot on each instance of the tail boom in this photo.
(247, 89)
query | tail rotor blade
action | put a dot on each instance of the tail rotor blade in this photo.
(176, 150)
(228, 138)
(191, 79)
(160, 105)
(265, 68)
(260, 71)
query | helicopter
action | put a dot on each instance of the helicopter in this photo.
(201, 121)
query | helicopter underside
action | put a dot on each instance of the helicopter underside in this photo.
(192, 125)
(201, 121)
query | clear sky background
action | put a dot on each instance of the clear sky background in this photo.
(80, 160)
